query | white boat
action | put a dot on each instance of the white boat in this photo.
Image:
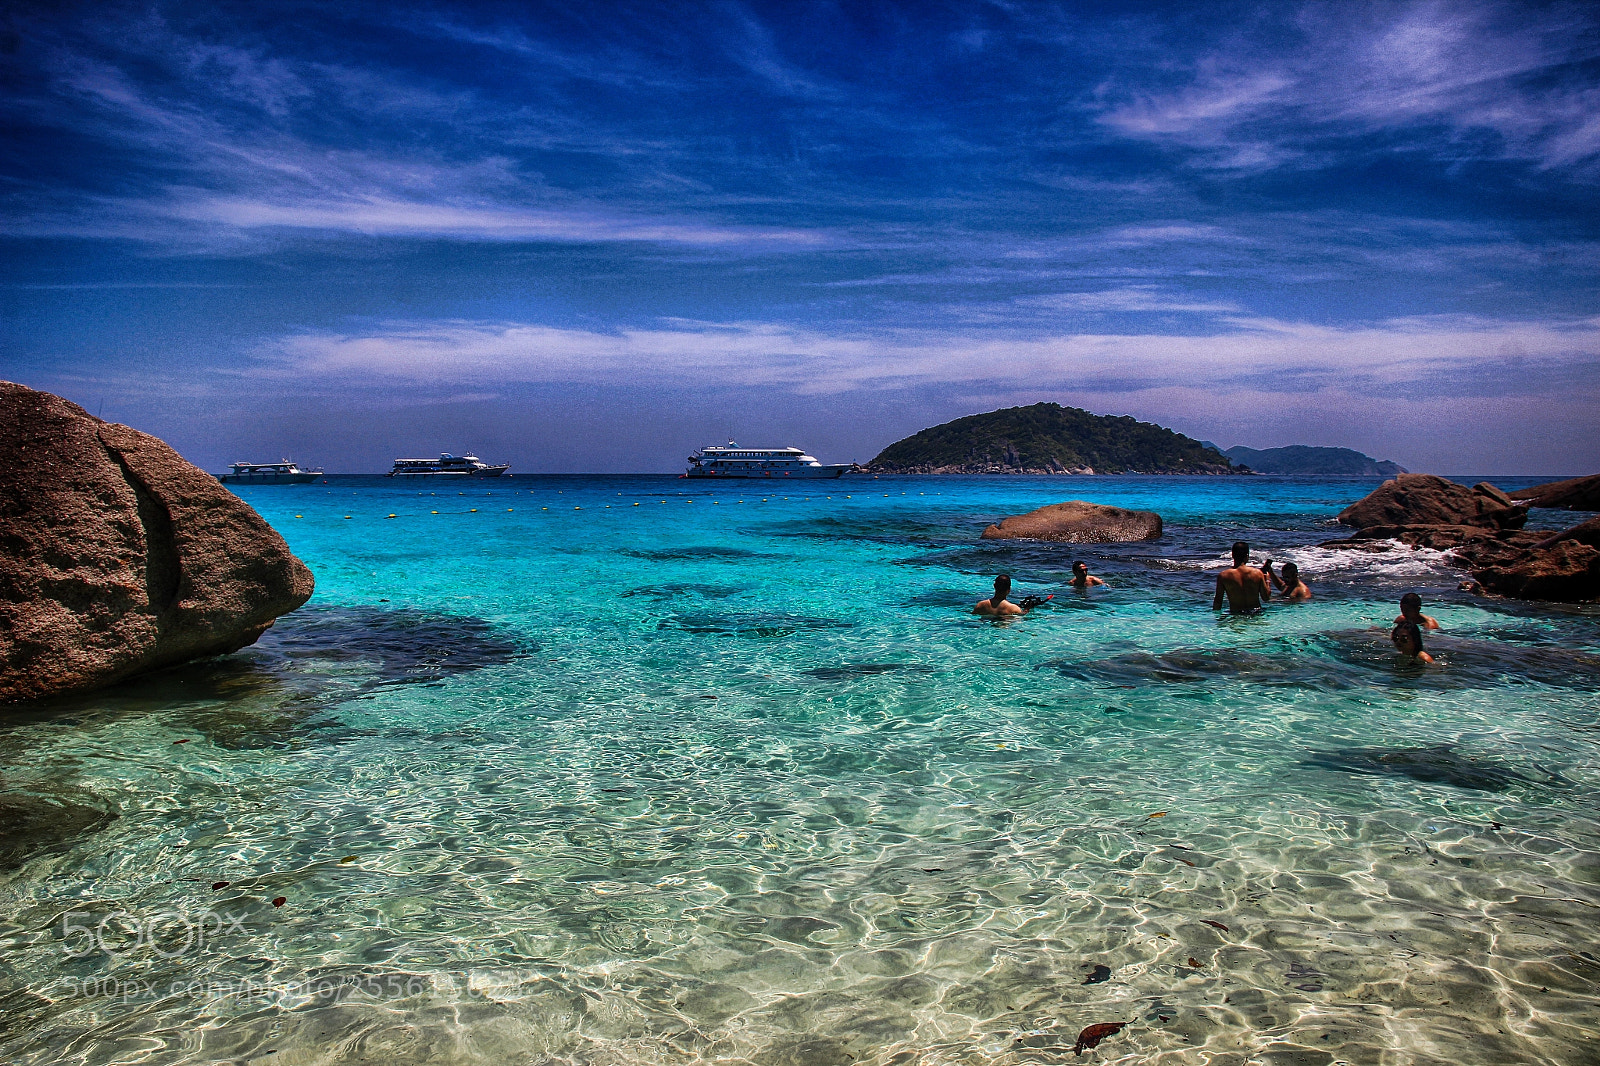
(447, 465)
(281, 473)
(734, 461)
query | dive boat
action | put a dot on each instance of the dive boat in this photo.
(447, 465)
(734, 461)
(284, 473)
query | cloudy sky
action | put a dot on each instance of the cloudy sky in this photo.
(594, 236)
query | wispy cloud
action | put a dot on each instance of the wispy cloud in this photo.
(1451, 352)
(1457, 80)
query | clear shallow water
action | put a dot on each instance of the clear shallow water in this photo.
(566, 779)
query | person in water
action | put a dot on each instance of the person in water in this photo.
(1081, 578)
(1246, 588)
(1411, 611)
(1289, 586)
(998, 606)
(1407, 639)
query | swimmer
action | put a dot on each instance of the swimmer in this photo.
(1289, 585)
(1082, 579)
(1407, 639)
(1411, 611)
(997, 606)
(1245, 586)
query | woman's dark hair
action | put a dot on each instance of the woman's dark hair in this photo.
(1291, 575)
(1080, 565)
(1405, 633)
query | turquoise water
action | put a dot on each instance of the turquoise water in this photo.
(617, 770)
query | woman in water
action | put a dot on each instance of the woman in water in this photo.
(1407, 639)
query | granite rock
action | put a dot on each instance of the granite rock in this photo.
(1428, 500)
(118, 557)
(1574, 494)
(1078, 522)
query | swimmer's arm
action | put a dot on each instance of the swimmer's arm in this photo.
(1429, 623)
(1216, 601)
(1095, 581)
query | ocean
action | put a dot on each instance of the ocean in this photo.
(613, 770)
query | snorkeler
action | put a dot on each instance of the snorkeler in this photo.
(1289, 586)
(1407, 639)
(1245, 586)
(1081, 578)
(997, 606)
(1411, 611)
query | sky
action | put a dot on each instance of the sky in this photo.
(592, 237)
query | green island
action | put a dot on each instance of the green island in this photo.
(1047, 438)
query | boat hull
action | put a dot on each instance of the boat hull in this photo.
(302, 478)
(490, 471)
(771, 475)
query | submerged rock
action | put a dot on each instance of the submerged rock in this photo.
(1428, 500)
(120, 557)
(1437, 765)
(1078, 522)
(1574, 494)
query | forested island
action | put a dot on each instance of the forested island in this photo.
(1048, 438)
(1301, 459)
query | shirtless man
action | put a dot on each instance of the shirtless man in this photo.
(1082, 579)
(998, 606)
(1411, 611)
(1245, 586)
(1289, 586)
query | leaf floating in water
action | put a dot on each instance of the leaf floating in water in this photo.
(933, 869)
(218, 884)
(1092, 1035)
(1194, 962)
(1186, 862)
(348, 858)
(280, 901)
(1496, 825)
(184, 741)
(708, 697)
(1214, 925)
(1159, 814)
(1101, 973)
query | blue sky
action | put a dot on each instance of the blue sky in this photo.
(592, 237)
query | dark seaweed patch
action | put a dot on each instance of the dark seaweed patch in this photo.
(673, 590)
(1196, 665)
(404, 646)
(851, 671)
(33, 822)
(702, 554)
(1437, 765)
(751, 625)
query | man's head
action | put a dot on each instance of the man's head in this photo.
(1002, 586)
(1411, 605)
(1080, 569)
(1291, 575)
(1407, 638)
(1241, 553)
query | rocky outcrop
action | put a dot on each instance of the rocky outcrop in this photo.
(1078, 522)
(1574, 494)
(1427, 500)
(1481, 529)
(118, 557)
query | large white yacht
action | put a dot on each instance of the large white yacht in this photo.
(282, 473)
(447, 465)
(734, 461)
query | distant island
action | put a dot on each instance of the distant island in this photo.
(1047, 438)
(1300, 459)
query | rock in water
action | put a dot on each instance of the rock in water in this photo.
(1427, 500)
(1575, 494)
(118, 557)
(1078, 522)
(1567, 571)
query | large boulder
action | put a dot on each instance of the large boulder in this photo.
(1574, 494)
(1427, 500)
(1567, 572)
(1078, 522)
(118, 557)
